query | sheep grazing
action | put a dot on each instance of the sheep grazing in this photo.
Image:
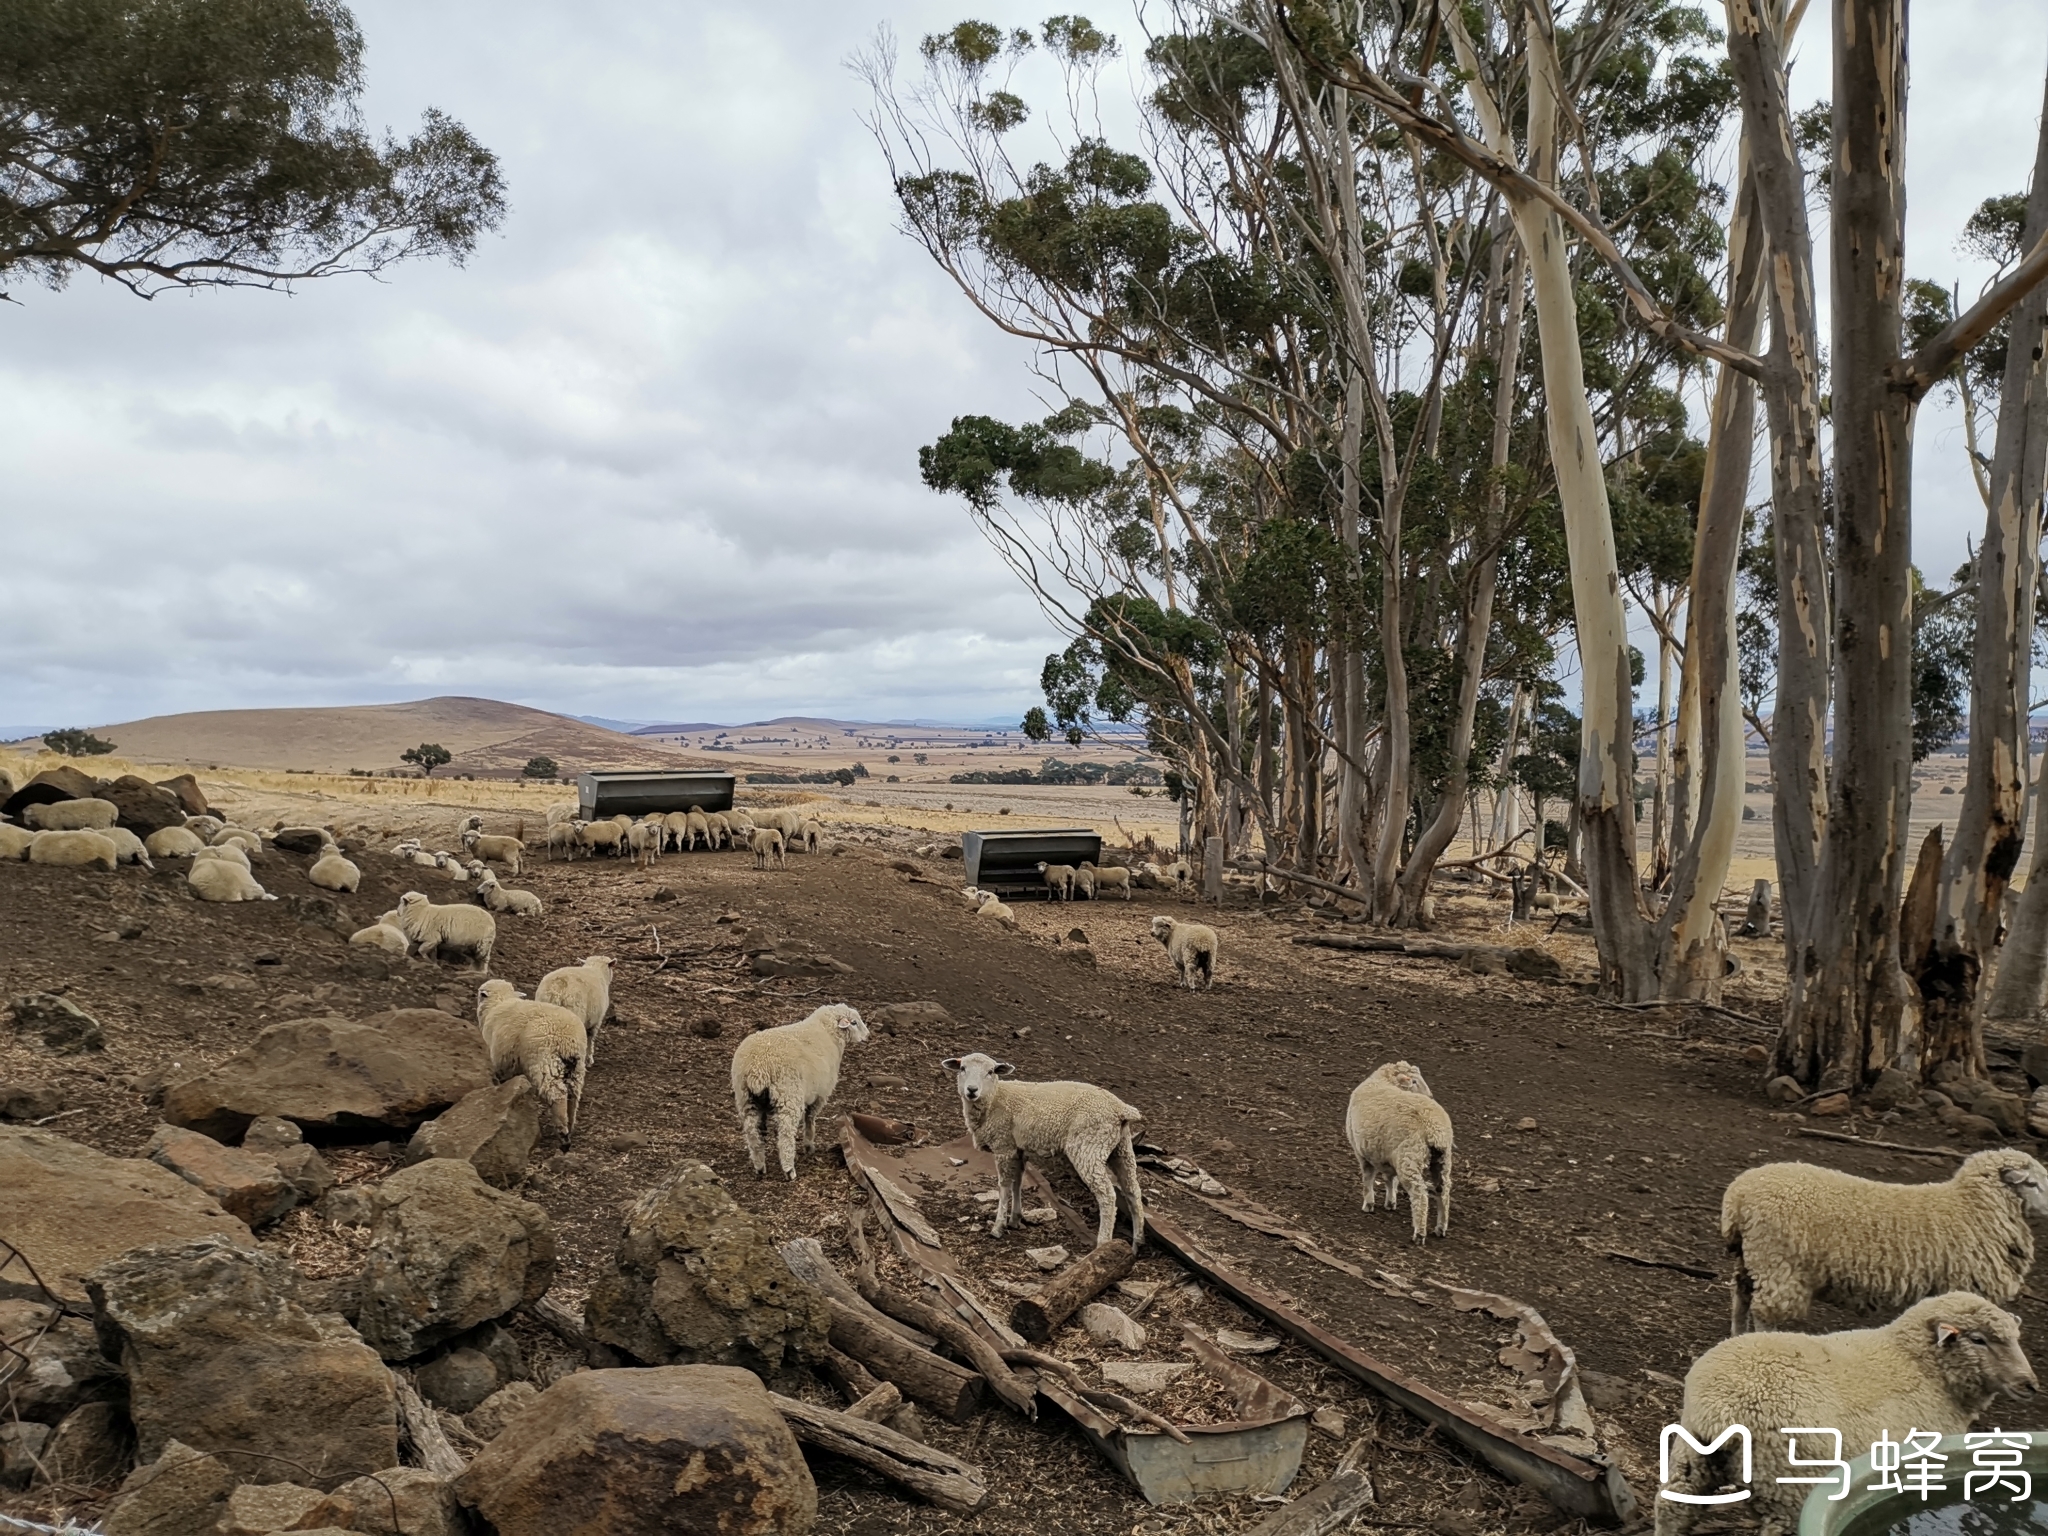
(1939, 1365)
(562, 835)
(15, 842)
(224, 880)
(1191, 947)
(88, 815)
(499, 899)
(463, 932)
(782, 1077)
(992, 906)
(495, 850)
(1800, 1232)
(675, 830)
(593, 835)
(1400, 1134)
(698, 827)
(585, 990)
(173, 843)
(764, 842)
(74, 850)
(1059, 880)
(1108, 877)
(808, 836)
(1087, 1125)
(332, 872)
(544, 1043)
(128, 848)
(381, 935)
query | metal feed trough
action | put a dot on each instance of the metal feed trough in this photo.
(1008, 861)
(636, 794)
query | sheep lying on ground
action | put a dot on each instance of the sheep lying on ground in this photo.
(203, 826)
(332, 872)
(224, 880)
(1059, 880)
(87, 815)
(1936, 1367)
(459, 931)
(15, 842)
(1400, 1134)
(495, 850)
(545, 1043)
(585, 990)
(593, 835)
(74, 850)
(1107, 877)
(499, 899)
(782, 1077)
(1087, 1125)
(1191, 947)
(382, 934)
(764, 842)
(231, 853)
(250, 843)
(1800, 1232)
(173, 843)
(128, 848)
(992, 906)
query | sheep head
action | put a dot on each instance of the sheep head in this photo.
(604, 963)
(2018, 1172)
(1976, 1348)
(492, 993)
(851, 1027)
(1162, 929)
(974, 1074)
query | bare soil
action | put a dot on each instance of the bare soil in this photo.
(1583, 1130)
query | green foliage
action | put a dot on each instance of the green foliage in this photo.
(541, 768)
(1944, 630)
(1036, 727)
(73, 742)
(979, 454)
(427, 756)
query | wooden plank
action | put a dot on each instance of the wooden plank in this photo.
(943, 1480)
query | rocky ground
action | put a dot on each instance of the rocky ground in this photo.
(1593, 1141)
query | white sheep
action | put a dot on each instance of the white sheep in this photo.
(84, 815)
(1191, 947)
(993, 906)
(1107, 877)
(1059, 880)
(562, 835)
(224, 880)
(675, 830)
(808, 836)
(765, 842)
(1084, 882)
(15, 842)
(782, 1077)
(381, 935)
(721, 828)
(585, 990)
(561, 811)
(1401, 1135)
(203, 826)
(248, 841)
(128, 848)
(332, 872)
(74, 850)
(593, 835)
(698, 827)
(544, 1043)
(230, 853)
(499, 899)
(645, 841)
(497, 850)
(1936, 1367)
(460, 930)
(1087, 1125)
(452, 866)
(173, 843)
(1799, 1231)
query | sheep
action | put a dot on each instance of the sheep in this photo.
(645, 841)
(593, 835)
(224, 880)
(1400, 1134)
(173, 843)
(562, 835)
(430, 929)
(1084, 882)
(545, 1043)
(15, 842)
(1935, 1368)
(203, 826)
(496, 850)
(1108, 877)
(721, 829)
(784, 1076)
(993, 906)
(381, 935)
(740, 822)
(128, 848)
(232, 853)
(74, 849)
(1799, 1232)
(85, 815)
(585, 990)
(251, 843)
(1089, 1126)
(498, 899)
(698, 826)
(1059, 880)
(1191, 947)
(675, 830)
(332, 872)
(561, 811)
(453, 867)
(766, 841)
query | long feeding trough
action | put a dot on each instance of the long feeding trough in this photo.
(1008, 861)
(636, 794)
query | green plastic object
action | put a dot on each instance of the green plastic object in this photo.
(1991, 1513)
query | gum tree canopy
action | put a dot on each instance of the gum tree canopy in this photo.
(181, 143)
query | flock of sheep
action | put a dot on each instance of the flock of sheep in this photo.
(767, 833)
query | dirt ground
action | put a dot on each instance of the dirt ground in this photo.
(1583, 1130)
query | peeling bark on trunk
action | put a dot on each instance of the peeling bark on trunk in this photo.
(2022, 980)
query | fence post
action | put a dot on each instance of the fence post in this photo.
(1212, 870)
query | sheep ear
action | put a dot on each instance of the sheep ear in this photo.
(951, 1063)
(1946, 1334)
(2016, 1176)
(1003, 1069)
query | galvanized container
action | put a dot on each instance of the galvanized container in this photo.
(1008, 861)
(636, 794)
(1866, 1512)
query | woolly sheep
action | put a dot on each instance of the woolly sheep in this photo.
(1087, 1125)
(74, 850)
(452, 866)
(1084, 882)
(203, 826)
(585, 989)
(675, 830)
(460, 930)
(128, 848)
(1191, 947)
(645, 841)
(544, 1043)
(782, 1077)
(232, 853)
(721, 828)
(499, 899)
(562, 835)
(86, 815)
(497, 850)
(15, 842)
(767, 841)
(993, 906)
(561, 811)
(332, 872)
(224, 880)
(173, 843)
(251, 843)
(593, 835)
(1799, 1231)
(1107, 877)
(1400, 1134)
(1936, 1367)
(381, 935)
(1059, 880)
(808, 836)
(699, 828)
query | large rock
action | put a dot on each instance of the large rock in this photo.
(246, 1183)
(696, 1280)
(186, 791)
(180, 1493)
(304, 840)
(50, 1363)
(59, 1023)
(259, 1509)
(92, 1446)
(448, 1252)
(381, 1074)
(69, 1209)
(494, 1129)
(400, 1501)
(690, 1448)
(219, 1356)
(460, 1380)
(143, 807)
(61, 783)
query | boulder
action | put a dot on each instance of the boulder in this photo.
(696, 1280)
(488, 1419)
(378, 1075)
(1534, 964)
(400, 1501)
(258, 1509)
(493, 1129)
(143, 807)
(186, 791)
(900, 1016)
(26, 1101)
(247, 1184)
(459, 1380)
(448, 1252)
(308, 1172)
(267, 1133)
(679, 1449)
(92, 1445)
(21, 1453)
(59, 1023)
(1893, 1089)
(181, 1492)
(69, 1209)
(48, 787)
(305, 840)
(2007, 1111)
(220, 1356)
(50, 1363)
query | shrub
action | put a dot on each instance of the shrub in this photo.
(72, 742)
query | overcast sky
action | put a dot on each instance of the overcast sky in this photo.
(652, 453)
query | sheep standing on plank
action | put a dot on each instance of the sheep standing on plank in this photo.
(461, 932)
(1799, 1232)
(1089, 1126)
(585, 990)
(782, 1077)
(546, 1044)
(1400, 1134)
(1938, 1366)
(1191, 948)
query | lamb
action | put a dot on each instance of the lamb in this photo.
(545, 1043)
(807, 836)
(173, 843)
(1108, 877)
(562, 835)
(1089, 1126)
(499, 899)
(585, 990)
(332, 872)
(128, 848)
(15, 842)
(79, 849)
(224, 880)
(466, 931)
(1800, 1232)
(593, 835)
(645, 841)
(1059, 880)
(381, 935)
(496, 850)
(993, 906)
(766, 841)
(1936, 1367)
(85, 815)
(784, 1076)
(1191, 947)
(1400, 1134)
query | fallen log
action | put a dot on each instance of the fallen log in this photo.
(884, 1132)
(853, 1379)
(1329, 1506)
(960, 1337)
(1110, 1401)
(931, 1474)
(877, 1405)
(429, 1440)
(1038, 1317)
(1818, 1134)
(942, 1386)
(806, 1259)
